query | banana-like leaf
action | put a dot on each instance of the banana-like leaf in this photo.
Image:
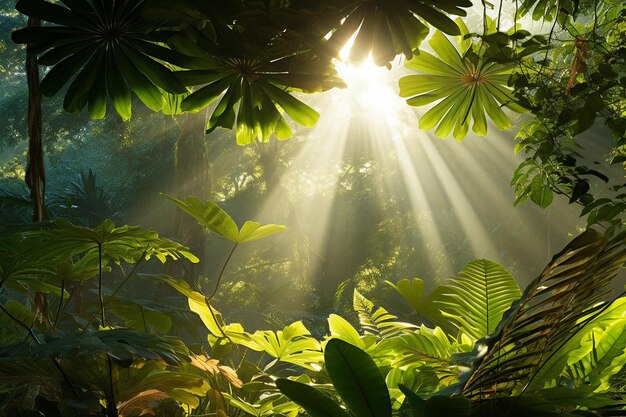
(478, 297)
(388, 28)
(464, 88)
(546, 317)
(357, 379)
(106, 48)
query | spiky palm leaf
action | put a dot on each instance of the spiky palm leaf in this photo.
(590, 353)
(546, 316)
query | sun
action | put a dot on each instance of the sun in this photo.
(371, 88)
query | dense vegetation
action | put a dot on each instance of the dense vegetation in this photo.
(102, 315)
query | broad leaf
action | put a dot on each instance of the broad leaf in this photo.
(293, 344)
(357, 379)
(314, 402)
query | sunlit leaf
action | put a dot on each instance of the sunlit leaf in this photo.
(466, 90)
(252, 231)
(208, 215)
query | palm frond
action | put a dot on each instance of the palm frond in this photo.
(547, 316)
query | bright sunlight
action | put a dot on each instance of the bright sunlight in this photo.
(372, 89)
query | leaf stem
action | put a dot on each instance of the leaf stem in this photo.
(58, 314)
(219, 278)
(100, 284)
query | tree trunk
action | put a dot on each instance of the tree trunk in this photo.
(35, 174)
(192, 178)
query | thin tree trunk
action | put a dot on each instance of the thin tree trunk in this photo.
(35, 173)
(192, 178)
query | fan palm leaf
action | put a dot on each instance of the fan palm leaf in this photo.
(100, 48)
(387, 28)
(464, 85)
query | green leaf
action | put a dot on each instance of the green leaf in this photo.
(61, 73)
(252, 231)
(293, 344)
(156, 73)
(411, 290)
(147, 92)
(437, 19)
(340, 328)
(211, 318)
(357, 379)
(540, 193)
(551, 310)
(297, 110)
(117, 88)
(201, 98)
(477, 299)
(208, 215)
(314, 402)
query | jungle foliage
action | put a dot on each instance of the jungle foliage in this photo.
(83, 336)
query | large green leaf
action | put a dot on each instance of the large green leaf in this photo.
(377, 321)
(591, 350)
(357, 379)
(476, 300)
(123, 345)
(255, 74)
(127, 243)
(314, 402)
(422, 345)
(208, 215)
(411, 290)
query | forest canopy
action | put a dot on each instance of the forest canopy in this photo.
(291, 151)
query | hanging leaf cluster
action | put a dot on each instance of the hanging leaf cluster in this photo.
(387, 28)
(101, 49)
(465, 85)
(252, 71)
